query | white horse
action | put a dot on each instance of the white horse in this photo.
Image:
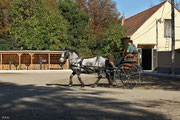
(84, 65)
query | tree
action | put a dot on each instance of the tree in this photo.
(111, 42)
(7, 44)
(102, 13)
(4, 25)
(37, 26)
(80, 37)
(105, 23)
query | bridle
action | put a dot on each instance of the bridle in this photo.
(66, 55)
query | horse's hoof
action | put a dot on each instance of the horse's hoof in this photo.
(82, 86)
(93, 86)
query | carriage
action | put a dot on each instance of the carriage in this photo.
(129, 72)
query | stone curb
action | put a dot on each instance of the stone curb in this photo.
(34, 71)
(161, 74)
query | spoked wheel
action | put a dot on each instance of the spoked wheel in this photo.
(141, 73)
(128, 74)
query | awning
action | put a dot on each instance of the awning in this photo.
(146, 45)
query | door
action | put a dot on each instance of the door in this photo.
(147, 59)
(155, 59)
(140, 56)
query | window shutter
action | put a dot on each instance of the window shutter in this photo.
(167, 28)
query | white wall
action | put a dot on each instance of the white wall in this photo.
(146, 34)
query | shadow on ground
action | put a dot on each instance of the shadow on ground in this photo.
(164, 83)
(28, 102)
(104, 85)
(148, 82)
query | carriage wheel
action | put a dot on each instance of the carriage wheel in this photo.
(141, 73)
(128, 74)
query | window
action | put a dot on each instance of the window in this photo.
(167, 28)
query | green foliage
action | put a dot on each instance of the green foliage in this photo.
(87, 43)
(111, 41)
(37, 26)
(7, 44)
(4, 27)
(80, 36)
(51, 25)
(112, 38)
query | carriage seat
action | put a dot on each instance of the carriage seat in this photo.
(131, 58)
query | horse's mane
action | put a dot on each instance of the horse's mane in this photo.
(70, 50)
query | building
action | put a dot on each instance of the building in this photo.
(31, 60)
(150, 31)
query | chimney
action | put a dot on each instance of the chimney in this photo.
(123, 20)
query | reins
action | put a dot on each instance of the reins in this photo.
(96, 55)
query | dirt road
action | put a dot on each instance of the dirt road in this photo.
(45, 96)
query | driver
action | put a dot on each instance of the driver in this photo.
(130, 47)
(130, 50)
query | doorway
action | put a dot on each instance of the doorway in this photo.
(147, 59)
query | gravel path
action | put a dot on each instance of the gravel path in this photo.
(45, 96)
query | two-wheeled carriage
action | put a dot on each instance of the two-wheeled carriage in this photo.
(129, 72)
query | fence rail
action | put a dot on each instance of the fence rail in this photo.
(31, 61)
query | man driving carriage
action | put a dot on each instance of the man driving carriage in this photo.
(131, 47)
(126, 68)
(130, 50)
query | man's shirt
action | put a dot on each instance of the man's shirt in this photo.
(130, 49)
(135, 48)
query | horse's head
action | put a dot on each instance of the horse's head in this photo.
(67, 54)
(64, 56)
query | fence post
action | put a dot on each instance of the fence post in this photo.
(40, 63)
(10, 63)
(49, 61)
(67, 64)
(1, 62)
(19, 54)
(31, 54)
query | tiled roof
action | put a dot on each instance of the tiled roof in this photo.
(134, 23)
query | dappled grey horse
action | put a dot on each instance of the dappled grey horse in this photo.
(84, 65)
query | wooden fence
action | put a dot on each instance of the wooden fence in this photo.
(31, 60)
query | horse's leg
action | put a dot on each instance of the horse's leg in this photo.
(110, 82)
(97, 81)
(109, 79)
(70, 80)
(112, 78)
(79, 78)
